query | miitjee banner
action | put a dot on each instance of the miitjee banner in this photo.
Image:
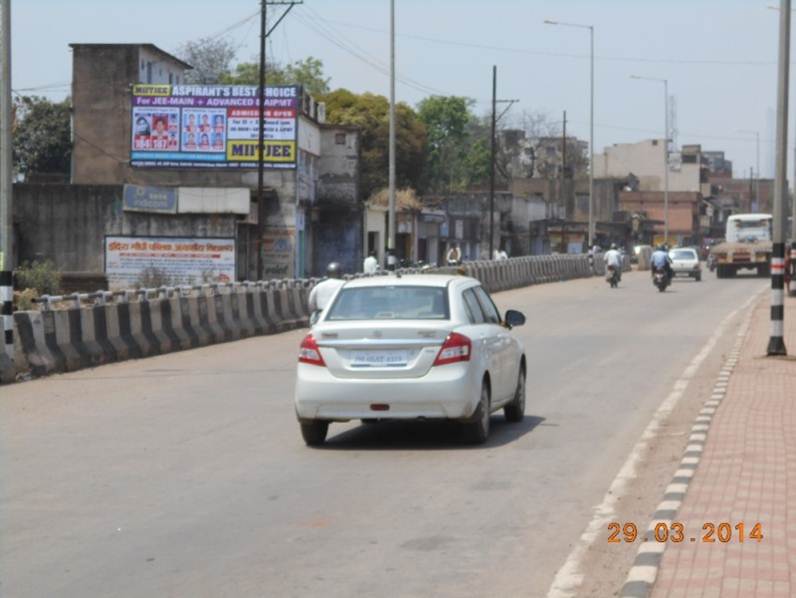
(212, 126)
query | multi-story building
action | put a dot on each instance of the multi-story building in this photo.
(135, 122)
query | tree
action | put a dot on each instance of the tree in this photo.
(210, 59)
(370, 113)
(446, 119)
(307, 73)
(42, 136)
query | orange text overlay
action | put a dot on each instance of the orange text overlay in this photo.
(676, 532)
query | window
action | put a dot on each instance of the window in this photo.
(339, 138)
(171, 78)
(390, 303)
(491, 313)
(472, 307)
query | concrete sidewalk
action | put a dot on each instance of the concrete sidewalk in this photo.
(746, 474)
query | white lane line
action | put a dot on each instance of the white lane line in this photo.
(570, 576)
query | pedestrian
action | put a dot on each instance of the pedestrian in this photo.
(454, 255)
(371, 264)
(392, 261)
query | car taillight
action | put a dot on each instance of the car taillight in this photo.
(309, 352)
(456, 347)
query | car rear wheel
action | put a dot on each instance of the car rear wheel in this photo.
(314, 431)
(698, 276)
(515, 410)
(477, 430)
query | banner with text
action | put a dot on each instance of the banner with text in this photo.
(212, 126)
(135, 261)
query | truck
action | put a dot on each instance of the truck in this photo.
(747, 246)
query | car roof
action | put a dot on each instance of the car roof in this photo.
(417, 280)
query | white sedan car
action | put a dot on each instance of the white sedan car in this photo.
(685, 262)
(410, 347)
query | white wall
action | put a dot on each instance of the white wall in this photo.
(160, 68)
(645, 160)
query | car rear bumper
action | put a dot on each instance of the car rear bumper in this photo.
(448, 391)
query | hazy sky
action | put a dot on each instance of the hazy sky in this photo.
(719, 55)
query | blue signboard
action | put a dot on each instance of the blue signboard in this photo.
(138, 198)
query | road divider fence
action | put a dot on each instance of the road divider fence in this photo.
(82, 330)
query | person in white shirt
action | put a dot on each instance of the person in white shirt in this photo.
(454, 256)
(371, 264)
(322, 293)
(613, 259)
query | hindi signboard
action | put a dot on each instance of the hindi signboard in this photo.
(212, 126)
(178, 260)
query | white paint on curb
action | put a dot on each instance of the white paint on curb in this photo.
(570, 576)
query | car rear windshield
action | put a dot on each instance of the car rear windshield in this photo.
(683, 254)
(391, 303)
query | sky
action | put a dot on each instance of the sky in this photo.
(719, 56)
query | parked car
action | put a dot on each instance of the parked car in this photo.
(685, 262)
(419, 346)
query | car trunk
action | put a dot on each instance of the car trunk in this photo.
(395, 349)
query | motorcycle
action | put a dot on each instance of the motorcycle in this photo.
(612, 276)
(660, 279)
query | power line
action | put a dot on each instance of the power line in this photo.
(549, 53)
(350, 47)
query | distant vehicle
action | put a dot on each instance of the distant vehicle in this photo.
(419, 346)
(747, 246)
(661, 280)
(685, 262)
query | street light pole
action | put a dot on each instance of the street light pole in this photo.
(391, 225)
(261, 213)
(590, 235)
(665, 150)
(776, 343)
(6, 190)
(492, 165)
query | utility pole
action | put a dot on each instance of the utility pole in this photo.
(564, 149)
(492, 166)
(261, 147)
(6, 188)
(391, 224)
(666, 164)
(776, 343)
(792, 289)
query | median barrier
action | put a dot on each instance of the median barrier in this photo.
(88, 329)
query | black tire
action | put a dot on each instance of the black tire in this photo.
(477, 430)
(314, 431)
(370, 420)
(515, 410)
(698, 277)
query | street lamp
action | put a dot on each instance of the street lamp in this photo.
(591, 121)
(757, 167)
(665, 151)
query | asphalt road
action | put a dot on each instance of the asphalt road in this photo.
(185, 475)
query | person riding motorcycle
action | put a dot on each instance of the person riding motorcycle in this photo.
(613, 259)
(660, 260)
(322, 293)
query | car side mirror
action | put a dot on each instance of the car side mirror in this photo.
(514, 318)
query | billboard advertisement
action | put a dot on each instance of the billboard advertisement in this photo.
(174, 260)
(212, 126)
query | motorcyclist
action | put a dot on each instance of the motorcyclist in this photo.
(322, 293)
(613, 258)
(660, 260)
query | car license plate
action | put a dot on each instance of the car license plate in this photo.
(379, 358)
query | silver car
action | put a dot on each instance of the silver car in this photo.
(410, 347)
(685, 262)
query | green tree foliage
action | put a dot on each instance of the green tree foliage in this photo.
(370, 112)
(307, 73)
(457, 154)
(210, 58)
(42, 135)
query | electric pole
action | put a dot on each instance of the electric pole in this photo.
(6, 189)
(564, 149)
(261, 146)
(492, 166)
(776, 343)
(391, 224)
